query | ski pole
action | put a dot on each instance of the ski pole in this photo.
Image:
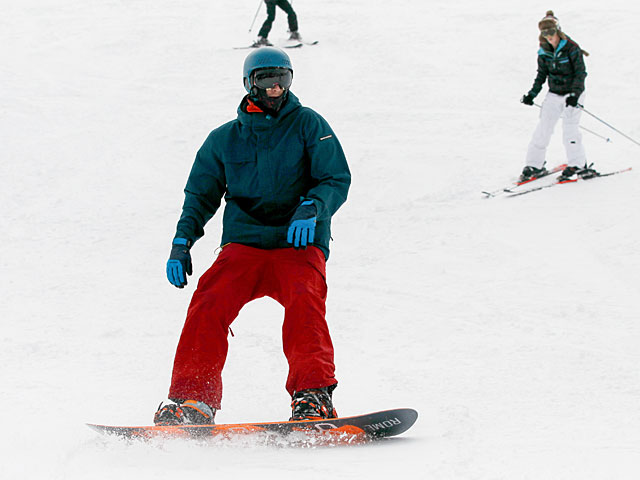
(610, 126)
(606, 139)
(255, 16)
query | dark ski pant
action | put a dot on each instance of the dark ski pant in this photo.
(271, 16)
(295, 279)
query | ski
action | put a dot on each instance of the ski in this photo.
(253, 45)
(291, 44)
(573, 180)
(343, 430)
(516, 184)
(286, 44)
(296, 43)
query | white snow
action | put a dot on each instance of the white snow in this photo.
(511, 325)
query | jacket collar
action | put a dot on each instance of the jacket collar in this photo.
(562, 43)
(253, 116)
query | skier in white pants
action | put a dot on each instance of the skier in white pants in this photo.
(561, 62)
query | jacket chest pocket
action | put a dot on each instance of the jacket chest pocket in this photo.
(292, 167)
(561, 65)
(241, 172)
(288, 158)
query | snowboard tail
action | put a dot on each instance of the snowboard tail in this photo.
(356, 429)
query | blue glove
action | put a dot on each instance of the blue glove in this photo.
(179, 263)
(302, 227)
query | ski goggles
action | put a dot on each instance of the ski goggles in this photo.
(549, 32)
(268, 77)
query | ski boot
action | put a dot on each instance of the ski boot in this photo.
(529, 173)
(568, 174)
(295, 36)
(262, 42)
(313, 404)
(587, 172)
(189, 412)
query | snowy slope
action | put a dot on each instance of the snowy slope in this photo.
(511, 325)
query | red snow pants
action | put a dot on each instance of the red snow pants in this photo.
(295, 279)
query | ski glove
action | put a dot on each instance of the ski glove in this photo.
(527, 99)
(302, 227)
(179, 263)
(572, 100)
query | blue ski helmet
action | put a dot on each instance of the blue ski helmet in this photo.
(264, 57)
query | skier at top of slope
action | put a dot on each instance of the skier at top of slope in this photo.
(283, 175)
(561, 62)
(292, 19)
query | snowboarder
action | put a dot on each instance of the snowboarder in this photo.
(561, 61)
(292, 19)
(283, 175)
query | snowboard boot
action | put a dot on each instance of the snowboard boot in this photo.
(313, 404)
(568, 174)
(189, 412)
(295, 36)
(529, 173)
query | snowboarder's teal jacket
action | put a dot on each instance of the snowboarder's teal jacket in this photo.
(265, 166)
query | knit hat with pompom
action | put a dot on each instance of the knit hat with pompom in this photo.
(549, 21)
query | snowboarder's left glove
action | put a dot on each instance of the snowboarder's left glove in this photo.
(302, 227)
(179, 263)
(572, 100)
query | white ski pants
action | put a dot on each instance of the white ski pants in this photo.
(553, 107)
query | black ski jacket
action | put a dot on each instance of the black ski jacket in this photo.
(564, 68)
